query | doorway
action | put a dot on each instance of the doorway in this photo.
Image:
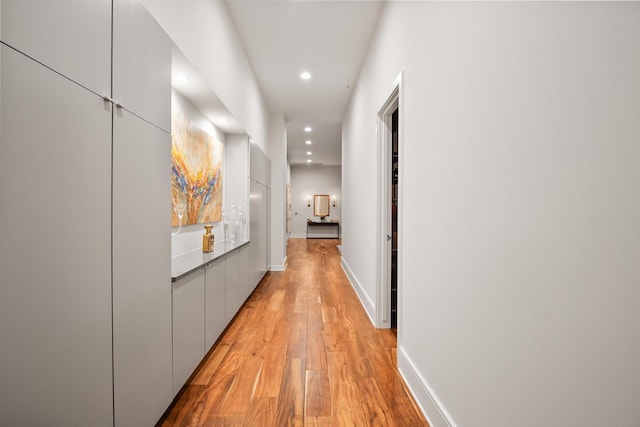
(394, 219)
(389, 247)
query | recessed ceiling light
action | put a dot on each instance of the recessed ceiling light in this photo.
(305, 75)
(307, 129)
(308, 160)
(308, 142)
(309, 153)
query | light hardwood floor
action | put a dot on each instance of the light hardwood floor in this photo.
(301, 352)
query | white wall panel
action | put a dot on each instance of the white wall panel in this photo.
(236, 183)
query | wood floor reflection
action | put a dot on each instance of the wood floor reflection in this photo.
(301, 352)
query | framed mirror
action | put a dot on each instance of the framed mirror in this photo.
(321, 205)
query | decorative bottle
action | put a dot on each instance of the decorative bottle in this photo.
(207, 239)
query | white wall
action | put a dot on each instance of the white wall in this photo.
(205, 33)
(236, 189)
(278, 156)
(519, 296)
(307, 181)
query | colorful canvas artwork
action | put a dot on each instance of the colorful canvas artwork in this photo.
(196, 176)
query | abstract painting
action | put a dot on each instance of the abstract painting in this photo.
(196, 175)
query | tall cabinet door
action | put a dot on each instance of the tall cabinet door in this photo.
(141, 216)
(55, 249)
(215, 301)
(234, 291)
(141, 63)
(259, 217)
(189, 345)
(141, 270)
(72, 37)
(255, 207)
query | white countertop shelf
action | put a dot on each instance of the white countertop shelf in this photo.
(185, 264)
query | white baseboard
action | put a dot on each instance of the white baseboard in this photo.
(298, 235)
(368, 305)
(279, 267)
(426, 399)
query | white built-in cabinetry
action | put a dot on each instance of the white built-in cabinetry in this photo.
(141, 270)
(141, 216)
(206, 299)
(55, 251)
(204, 302)
(188, 326)
(71, 37)
(259, 179)
(141, 64)
(235, 291)
(215, 302)
(85, 301)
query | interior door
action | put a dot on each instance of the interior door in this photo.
(394, 219)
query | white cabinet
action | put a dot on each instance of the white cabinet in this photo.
(215, 318)
(142, 337)
(259, 220)
(55, 250)
(264, 263)
(245, 278)
(65, 198)
(234, 289)
(188, 326)
(141, 64)
(141, 271)
(72, 37)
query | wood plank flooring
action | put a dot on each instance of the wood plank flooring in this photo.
(301, 352)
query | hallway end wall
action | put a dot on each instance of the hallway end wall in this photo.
(520, 207)
(307, 180)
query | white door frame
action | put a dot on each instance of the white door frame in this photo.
(392, 100)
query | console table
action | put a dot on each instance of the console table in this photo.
(323, 224)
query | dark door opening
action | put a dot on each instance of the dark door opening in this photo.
(394, 219)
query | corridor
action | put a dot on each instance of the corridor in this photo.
(300, 352)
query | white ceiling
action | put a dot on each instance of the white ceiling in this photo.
(327, 38)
